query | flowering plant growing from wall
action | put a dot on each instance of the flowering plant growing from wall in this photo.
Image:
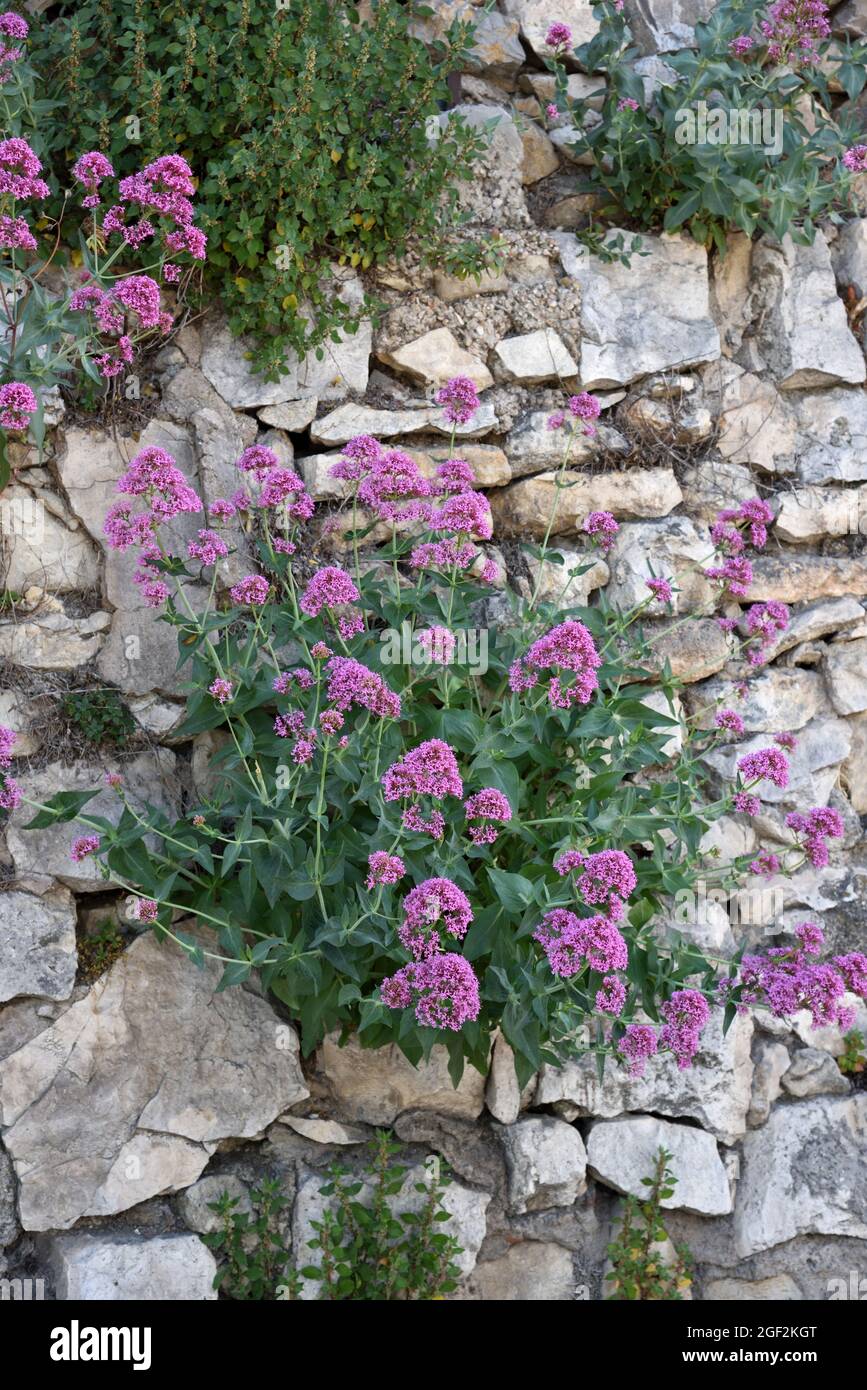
(432, 850)
(309, 127)
(96, 324)
(744, 132)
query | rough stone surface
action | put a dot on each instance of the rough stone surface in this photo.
(846, 674)
(343, 369)
(194, 1202)
(804, 1172)
(664, 549)
(547, 1162)
(535, 357)
(37, 945)
(436, 357)
(530, 1272)
(95, 1122)
(375, 1086)
(779, 1288)
(814, 1073)
(621, 1152)
(117, 1269)
(536, 17)
(151, 776)
(715, 1091)
(803, 335)
(651, 316)
(525, 507)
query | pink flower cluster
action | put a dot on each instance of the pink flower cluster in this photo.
(459, 399)
(333, 589)
(383, 869)
(812, 830)
(603, 528)
(764, 621)
(12, 26)
(685, 1015)
(17, 405)
(20, 170)
(567, 647)
(730, 533)
(788, 979)
(351, 683)
(491, 809)
(10, 792)
(793, 30)
(435, 906)
(428, 770)
(767, 763)
(572, 943)
(443, 989)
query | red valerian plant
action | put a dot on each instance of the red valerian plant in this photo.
(96, 325)
(431, 851)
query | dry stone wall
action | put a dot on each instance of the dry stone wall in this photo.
(129, 1099)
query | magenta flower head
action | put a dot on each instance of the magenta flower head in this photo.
(430, 769)
(19, 171)
(17, 404)
(444, 990)
(559, 37)
(855, 159)
(435, 906)
(611, 998)
(90, 169)
(729, 719)
(459, 399)
(685, 1014)
(573, 943)
(585, 407)
(15, 235)
(221, 690)
(11, 795)
(467, 514)
(767, 763)
(7, 743)
(329, 588)
(259, 460)
(491, 808)
(455, 475)
(352, 683)
(603, 528)
(740, 46)
(384, 868)
(438, 644)
(251, 591)
(607, 876)
(637, 1044)
(84, 846)
(13, 26)
(565, 648)
(627, 104)
(661, 589)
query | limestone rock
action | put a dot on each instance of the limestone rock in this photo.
(292, 416)
(150, 777)
(16, 715)
(810, 514)
(540, 156)
(831, 615)
(771, 1062)
(650, 316)
(524, 509)
(37, 945)
(832, 436)
(794, 578)
(123, 1269)
(556, 584)
(466, 1222)
(846, 674)
(375, 1085)
(778, 1288)
(536, 17)
(547, 1162)
(712, 485)
(814, 1073)
(96, 1123)
(41, 544)
(342, 370)
(349, 420)
(532, 446)
(813, 764)
(9, 1228)
(530, 1272)
(324, 1131)
(51, 641)
(436, 357)
(194, 1203)
(670, 548)
(622, 1152)
(775, 699)
(495, 51)
(804, 1173)
(502, 1092)
(803, 333)
(854, 770)
(715, 1091)
(849, 251)
(671, 424)
(757, 425)
(535, 357)
(664, 26)
(694, 648)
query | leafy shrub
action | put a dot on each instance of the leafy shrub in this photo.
(99, 716)
(370, 1251)
(306, 128)
(255, 1261)
(671, 162)
(49, 337)
(530, 800)
(639, 1269)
